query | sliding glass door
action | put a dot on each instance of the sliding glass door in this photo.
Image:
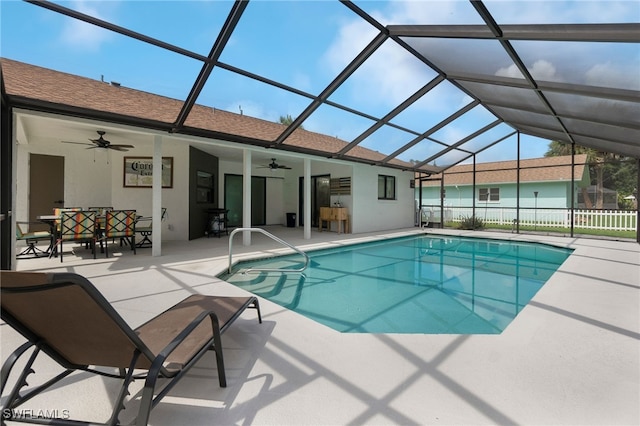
(233, 200)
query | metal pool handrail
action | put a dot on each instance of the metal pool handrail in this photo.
(273, 237)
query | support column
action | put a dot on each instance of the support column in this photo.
(307, 199)
(573, 187)
(156, 203)
(246, 196)
(473, 189)
(517, 227)
(637, 194)
(8, 183)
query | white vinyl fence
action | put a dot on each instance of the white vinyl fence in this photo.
(615, 220)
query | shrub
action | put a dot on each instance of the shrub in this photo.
(471, 223)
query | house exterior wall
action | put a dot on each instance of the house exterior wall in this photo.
(175, 200)
(100, 183)
(369, 213)
(79, 166)
(550, 195)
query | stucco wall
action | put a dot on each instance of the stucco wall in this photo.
(550, 195)
(95, 177)
(371, 214)
(175, 200)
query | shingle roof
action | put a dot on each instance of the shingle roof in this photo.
(546, 169)
(30, 82)
(37, 83)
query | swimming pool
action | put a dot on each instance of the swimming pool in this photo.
(423, 284)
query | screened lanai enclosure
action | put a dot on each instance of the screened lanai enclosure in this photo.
(419, 86)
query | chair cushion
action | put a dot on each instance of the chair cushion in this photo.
(120, 223)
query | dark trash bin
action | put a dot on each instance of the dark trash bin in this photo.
(291, 220)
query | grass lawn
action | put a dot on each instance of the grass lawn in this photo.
(559, 230)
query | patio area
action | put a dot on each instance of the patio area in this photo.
(572, 356)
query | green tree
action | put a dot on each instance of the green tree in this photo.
(287, 120)
(610, 169)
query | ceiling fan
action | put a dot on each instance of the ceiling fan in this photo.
(101, 142)
(274, 166)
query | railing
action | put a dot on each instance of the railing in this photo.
(614, 220)
(273, 237)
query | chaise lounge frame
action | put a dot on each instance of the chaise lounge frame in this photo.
(64, 316)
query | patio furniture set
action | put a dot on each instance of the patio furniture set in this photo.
(96, 225)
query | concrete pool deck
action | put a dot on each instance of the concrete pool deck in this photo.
(572, 356)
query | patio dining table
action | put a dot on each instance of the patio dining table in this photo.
(50, 219)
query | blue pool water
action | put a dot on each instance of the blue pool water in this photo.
(424, 284)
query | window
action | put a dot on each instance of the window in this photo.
(204, 187)
(489, 194)
(386, 187)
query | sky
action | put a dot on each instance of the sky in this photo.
(305, 44)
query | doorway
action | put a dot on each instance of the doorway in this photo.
(320, 197)
(233, 200)
(46, 186)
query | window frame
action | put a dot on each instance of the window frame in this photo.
(492, 194)
(389, 183)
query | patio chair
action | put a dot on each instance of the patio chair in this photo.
(78, 226)
(101, 214)
(32, 238)
(58, 212)
(64, 316)
(144, 227)
(100, 211)
(425, 217)
(119, 224)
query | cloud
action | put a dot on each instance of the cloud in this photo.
(390, 75)
(562, 12)
(81, 35)
(541, 70)
(351, 39)
(428, 13)
(605, 74)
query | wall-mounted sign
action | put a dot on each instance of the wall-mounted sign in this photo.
(138, 172)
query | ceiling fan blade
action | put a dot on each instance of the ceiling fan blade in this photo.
(284, 167)
(119, 147)
(76, 143)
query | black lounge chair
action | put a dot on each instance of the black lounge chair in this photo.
(67, 318)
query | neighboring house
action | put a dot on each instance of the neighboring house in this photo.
(544, 183)
(610, 201)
